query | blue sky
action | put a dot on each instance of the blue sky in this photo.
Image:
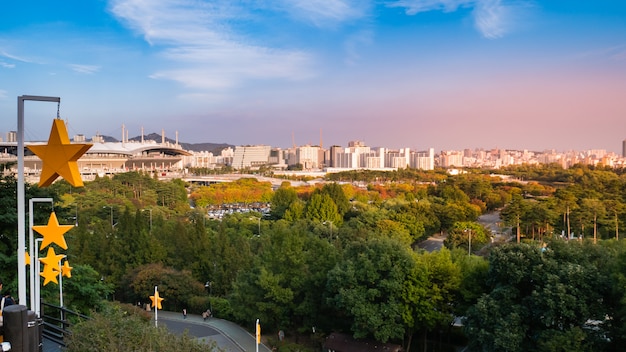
(447, 74)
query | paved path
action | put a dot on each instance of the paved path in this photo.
(229, 336)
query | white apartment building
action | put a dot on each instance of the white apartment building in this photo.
(451, 158)
(205, 159)
(251, 156)
(423, 160)
(309, 157)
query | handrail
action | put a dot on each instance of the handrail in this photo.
(56, 324)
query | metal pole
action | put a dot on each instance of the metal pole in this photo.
(38, 282)
(156, 307)
(258, 335)
(31, 247)
(60, 285)
(21, 196)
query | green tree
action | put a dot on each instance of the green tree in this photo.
(282, 199)
(85, 292)
(367, 286)
(322, 208)
(466, 234)
(536, 294)
(338, 195)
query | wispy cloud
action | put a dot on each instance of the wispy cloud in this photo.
(492, 18)
(3, 94)
(323, 13)
(613, 53)
(6, 65)
(197, 37)
(86, 69)
(14, 57)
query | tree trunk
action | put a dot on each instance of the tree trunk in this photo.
(408, 343)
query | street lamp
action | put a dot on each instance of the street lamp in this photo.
(469, 241)
(331, 227)
(209, 286)
(110, 207)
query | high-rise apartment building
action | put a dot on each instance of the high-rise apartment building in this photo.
(251, 156)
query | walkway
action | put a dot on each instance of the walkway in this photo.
(228, 336)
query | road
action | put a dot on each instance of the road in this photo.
(491, 221)
(228, 336)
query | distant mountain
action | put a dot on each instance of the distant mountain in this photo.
(215, 148)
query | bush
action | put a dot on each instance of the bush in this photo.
(127, 328)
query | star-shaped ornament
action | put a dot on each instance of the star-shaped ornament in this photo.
(53, 232)
(52, 259)
(59, 157)
(50, 273)
(156, 300)
(26, 258)
(66, 269)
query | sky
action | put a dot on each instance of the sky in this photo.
(443, 74)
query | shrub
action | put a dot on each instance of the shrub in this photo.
(127, 328)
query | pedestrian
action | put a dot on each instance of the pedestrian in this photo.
(204, 316)
(184, 313)
(208, 313)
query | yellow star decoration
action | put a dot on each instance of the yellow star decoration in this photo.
(50, 273)
(26, 258)
(52, 259)
(156, 300)
(66, 269)
(59, 157)
(51, 266)
(53, 232)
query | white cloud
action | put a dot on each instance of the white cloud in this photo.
(3, 94)
(416, 6)
(13, 57)
(323, 13)
(207, 53)
(86, 69)
(614, 53)
(6, 65)
(492, 18)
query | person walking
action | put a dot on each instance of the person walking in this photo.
(184, 313)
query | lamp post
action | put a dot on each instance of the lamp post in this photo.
(21, 194)
(331, 227)
(34, 252)
(469, 241)
(209, 286)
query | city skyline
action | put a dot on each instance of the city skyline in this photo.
(447, 74)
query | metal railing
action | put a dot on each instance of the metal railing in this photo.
(57, 321)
